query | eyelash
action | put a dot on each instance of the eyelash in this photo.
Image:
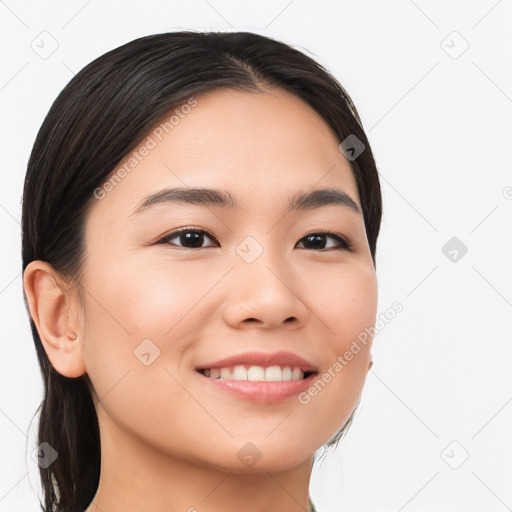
(344, 243)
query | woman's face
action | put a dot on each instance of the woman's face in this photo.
(160, 306)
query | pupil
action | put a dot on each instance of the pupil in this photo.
(317, 241)
(192, 239)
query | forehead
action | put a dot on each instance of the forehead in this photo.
(273, 119)
(268, 143)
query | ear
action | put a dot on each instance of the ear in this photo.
(53, 309)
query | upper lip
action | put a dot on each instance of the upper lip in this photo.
(281, 358)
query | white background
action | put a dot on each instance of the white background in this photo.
(440, 125)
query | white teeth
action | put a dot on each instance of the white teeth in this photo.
(297, 374)
(239, 373)
(225, 373)
(273, 373)
(256, 373)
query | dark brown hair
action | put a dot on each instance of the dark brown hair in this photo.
(97, 119)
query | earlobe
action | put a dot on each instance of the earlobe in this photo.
(50, 304)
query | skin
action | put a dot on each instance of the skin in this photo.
(170, 440)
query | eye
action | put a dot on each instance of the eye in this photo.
(317, 240)
(190, 238)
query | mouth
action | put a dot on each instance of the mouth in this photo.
(259, 366)
(254, 373)
(259, 377)
(270, 385)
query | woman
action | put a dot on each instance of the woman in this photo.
(200, 219)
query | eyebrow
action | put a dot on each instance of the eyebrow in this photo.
(223, 199)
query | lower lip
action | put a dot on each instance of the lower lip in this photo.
(262, 392)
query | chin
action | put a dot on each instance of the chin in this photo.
(249, 459)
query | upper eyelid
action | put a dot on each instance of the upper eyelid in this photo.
(179, 230)
(171, 234)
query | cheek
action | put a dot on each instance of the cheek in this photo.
(346, 304)
(145, 318)
(156, 300)
(149, 316)
(344, 300)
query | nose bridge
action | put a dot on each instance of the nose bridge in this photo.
(258, 261)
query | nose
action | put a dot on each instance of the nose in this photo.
(264, 294)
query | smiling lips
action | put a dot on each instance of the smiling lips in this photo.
(261, 377)
(282, 365)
